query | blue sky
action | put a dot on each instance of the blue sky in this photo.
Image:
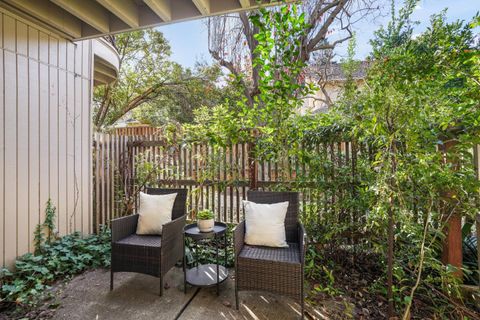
(188, 40)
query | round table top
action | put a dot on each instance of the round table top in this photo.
(192, 231)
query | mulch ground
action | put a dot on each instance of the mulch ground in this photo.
(353, 296)
(350, 295)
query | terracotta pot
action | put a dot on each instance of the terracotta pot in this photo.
(206, 225)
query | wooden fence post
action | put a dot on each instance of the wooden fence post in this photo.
(95, 211)
(252, 162)
(452, 245)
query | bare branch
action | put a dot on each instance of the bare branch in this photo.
(232, 43)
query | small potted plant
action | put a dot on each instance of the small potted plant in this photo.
(205, 221)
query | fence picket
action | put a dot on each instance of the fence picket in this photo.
(234, 172)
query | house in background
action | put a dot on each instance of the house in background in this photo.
(330, 80)
(52, 53)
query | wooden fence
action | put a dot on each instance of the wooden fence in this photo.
(143, 130)
(218, 179)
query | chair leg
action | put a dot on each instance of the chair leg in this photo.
(302, 300)
(161, 285)
(184, 263)
(236, 297)
(303, 308)
(111, 279)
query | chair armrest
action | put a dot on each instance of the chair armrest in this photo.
(172, 242)
(302, 240)
(238, 238)
(123, 227)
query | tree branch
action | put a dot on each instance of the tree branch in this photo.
(322, 32)
(231, 67)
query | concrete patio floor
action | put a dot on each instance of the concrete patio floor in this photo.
(135, 297)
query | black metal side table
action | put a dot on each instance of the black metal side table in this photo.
(206, 275)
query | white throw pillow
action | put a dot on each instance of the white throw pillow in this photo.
(155, 211)
(265, 224)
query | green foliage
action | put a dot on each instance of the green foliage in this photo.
(177, 104)
(49, 223)
(38, 238)
(420, 92)
(329, 286)
(205, 214)
(280, 87)
(349, 67)
(219, 126)
(150, 86)
(54, 259)
(45, 232)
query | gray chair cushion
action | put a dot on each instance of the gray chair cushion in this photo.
(288, 255)
(139, 240)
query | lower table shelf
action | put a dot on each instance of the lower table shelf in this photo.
(205, 275)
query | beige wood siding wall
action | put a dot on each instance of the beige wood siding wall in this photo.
(45, 141)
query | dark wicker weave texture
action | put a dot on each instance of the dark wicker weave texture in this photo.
(276, 270)
(153, 255)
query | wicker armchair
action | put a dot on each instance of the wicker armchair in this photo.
(275, 270)
(152, 255)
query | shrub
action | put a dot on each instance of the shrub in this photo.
(63, 258)
(205, 215)
(53, 260)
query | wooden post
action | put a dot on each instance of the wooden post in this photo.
(452, 245)
(95, 189)
(252, 162)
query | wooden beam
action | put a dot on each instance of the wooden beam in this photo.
(162, 8)
(103, 69)
(203, 6)
(126, 10)
(51, 15)
(123, 15)
(101, 78)
(88, 11)
(452, 244)
(244, 3)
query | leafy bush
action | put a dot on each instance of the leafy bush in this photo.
(419, 111)
(65, 257)
(53, 260)
(205, 215)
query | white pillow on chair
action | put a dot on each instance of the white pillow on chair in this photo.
(265, 224)
(155, 210)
